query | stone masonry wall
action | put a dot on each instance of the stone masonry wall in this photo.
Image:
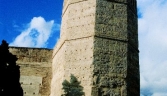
(99, 45)
(116, 71)
(78, 19)
(74, 52)
(35, 70)
(110, 49)
(133, 75)
(110, 67)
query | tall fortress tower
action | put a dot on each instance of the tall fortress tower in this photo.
(98, 45)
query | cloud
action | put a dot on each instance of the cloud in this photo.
(36, 34)
(153, 47)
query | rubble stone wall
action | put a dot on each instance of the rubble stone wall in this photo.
(99, 45)
(35, 70)
(116, 71)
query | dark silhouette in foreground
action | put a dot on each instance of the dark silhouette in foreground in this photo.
(72, 88)
(9, 73)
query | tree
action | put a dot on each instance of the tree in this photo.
(9, 73)
(72, 88)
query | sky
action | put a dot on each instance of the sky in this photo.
(36, 23)
(30, 23)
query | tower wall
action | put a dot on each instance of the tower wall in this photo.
(98, 45)
(78, 19)
(74, 52)
(116, 61)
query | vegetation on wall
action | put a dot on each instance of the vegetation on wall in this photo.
(72, 88)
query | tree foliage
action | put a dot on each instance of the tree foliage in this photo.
(9, 73)
(72, 88)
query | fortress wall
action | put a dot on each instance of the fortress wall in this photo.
(79, 58)
(116, 49)
(110, 67)
(111, 20)
(99, 45)
(78, 19)
(73, 54)
(74, 57)
(35, 70)
(133, 56)
(58, 70)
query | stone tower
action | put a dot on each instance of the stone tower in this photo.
(98, 45)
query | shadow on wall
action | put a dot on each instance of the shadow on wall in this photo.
(72, 88)
(9, 73)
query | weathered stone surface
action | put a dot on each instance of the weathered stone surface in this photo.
(78, 19)
(74, 52)
(73, 59)
(35, 70)
(116, 49)
(99, 45)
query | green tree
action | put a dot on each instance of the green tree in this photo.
(9, 73)
(72, 88)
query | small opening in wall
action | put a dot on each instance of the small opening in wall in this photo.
(34, 93)
(7, 64)
(113, 7)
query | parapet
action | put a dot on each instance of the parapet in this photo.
(27, 55)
